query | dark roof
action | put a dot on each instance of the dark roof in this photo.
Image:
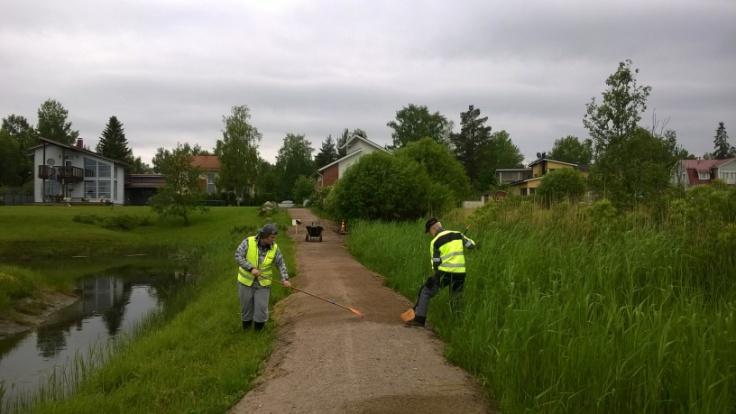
(551, 160)
(75, 148)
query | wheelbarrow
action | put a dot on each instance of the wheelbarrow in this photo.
(314, 232)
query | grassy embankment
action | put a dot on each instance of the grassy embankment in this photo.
(193, 360)
(566, 312)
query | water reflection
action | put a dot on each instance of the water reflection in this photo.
(109, 304)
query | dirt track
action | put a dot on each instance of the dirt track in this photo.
(327, 360)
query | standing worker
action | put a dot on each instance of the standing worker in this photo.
(255, 256)
(448, 263)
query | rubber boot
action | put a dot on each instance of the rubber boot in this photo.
(259, 325)
(417, 321)
(247, 325)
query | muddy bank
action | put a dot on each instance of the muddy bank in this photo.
(32, 312)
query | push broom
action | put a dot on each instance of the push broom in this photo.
(353, 310)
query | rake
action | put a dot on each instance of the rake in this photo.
(351, 309)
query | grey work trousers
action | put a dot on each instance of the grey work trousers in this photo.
(430, 288)
(253, 302)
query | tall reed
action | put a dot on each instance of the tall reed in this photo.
(564, 311)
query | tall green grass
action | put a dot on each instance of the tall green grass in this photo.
(566, 312)
(192, 357)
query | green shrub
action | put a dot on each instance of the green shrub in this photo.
(15, 283)
(441, 166)
(381, 186)
(566, 183)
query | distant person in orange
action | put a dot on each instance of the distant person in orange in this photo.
(256, 257)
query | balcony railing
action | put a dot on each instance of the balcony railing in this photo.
(69, 173)
(66, 173)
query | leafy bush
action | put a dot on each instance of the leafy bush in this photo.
(381, 186)
(566, 183)
(303, 189)
(441, 166)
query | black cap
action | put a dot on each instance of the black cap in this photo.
(429, 224)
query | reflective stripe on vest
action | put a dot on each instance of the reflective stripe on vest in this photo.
(245, 277)
(451, 254)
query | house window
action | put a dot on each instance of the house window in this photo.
(703, 175)
(90, 189)
(211, 182)
(90, 168)
(52, 188)
(103, 189)
(729, 177)
(103, 170)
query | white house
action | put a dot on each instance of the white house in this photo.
(690, 173)
(356, 147)
(73, 174)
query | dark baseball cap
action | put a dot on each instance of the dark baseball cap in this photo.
(429, 224)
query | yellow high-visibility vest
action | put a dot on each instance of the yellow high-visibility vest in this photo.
(451, 253)
(245, 277)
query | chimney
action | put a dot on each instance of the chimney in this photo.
(80, 143)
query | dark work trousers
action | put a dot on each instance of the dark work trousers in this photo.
(430, 288)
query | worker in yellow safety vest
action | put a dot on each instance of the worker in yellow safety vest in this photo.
(256, 257)
(448, 262)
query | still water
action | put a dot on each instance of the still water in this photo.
(111, 302)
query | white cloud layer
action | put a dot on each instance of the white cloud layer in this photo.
(169, 70)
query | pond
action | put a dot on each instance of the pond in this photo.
(112, 302)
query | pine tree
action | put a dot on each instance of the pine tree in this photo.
(327, 153)
(722, 148)
(113, 143)
(471, 142)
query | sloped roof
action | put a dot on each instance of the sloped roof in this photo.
(366, 140)
(703, 165)
(551, 160)
(75, 148)
(352, 154)
(206, 162)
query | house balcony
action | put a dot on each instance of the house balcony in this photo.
(66, 173)
(69, 173)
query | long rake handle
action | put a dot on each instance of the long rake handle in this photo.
(348, 308)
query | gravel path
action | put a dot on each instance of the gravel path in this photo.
(326, 360)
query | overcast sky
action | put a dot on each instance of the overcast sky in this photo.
(170, 70)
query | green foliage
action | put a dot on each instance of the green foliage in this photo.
(619, 113)
(603, 212)
(52, 123)
(16, 283)
(17, 136)
(440, 165)
(637, 169)
(181, 193)
(381, 186)
(327, 153)
(294, 159)
(482, 152)
(561, 314)
(268, 182)
(570, 149)
(238, 154)
(113, 143)
(416, 122)
(565, 183)
(303, 189)
(720, 143)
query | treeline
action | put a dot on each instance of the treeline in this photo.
(628, 164)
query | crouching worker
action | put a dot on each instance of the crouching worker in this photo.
(448, 262)
(256, 257)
